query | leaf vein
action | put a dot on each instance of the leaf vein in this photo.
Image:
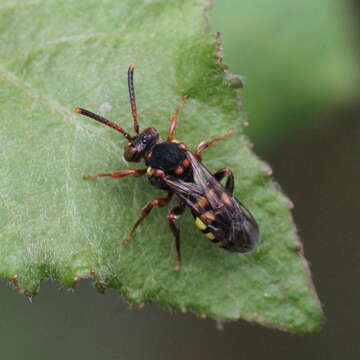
(51, 103)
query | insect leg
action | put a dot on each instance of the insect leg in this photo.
(146, 211)
(172, 216)
(118, 174)
(173, 120)
(205, 144)
(220, 174)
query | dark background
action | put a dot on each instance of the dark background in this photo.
(317, 164)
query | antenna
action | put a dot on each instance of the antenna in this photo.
(132, 97)
(103, 121)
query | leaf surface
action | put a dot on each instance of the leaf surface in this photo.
(58, 55)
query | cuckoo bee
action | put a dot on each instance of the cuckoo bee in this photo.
(172, 167)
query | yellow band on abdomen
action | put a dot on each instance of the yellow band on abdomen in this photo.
(210, 236)
(200, 224)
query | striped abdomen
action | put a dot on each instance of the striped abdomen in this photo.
(205, 218)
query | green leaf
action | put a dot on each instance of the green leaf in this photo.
(59, 55)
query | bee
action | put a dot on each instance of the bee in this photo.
(172, 167)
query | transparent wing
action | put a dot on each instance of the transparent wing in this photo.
(234, 223)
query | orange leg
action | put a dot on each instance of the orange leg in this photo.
(118, 174)
(174, 119)
(146, 211)
(206, 144)
(220, 174)
(172, 216)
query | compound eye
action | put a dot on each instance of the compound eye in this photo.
(130, 152)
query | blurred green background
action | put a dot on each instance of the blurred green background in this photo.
(300, 62)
